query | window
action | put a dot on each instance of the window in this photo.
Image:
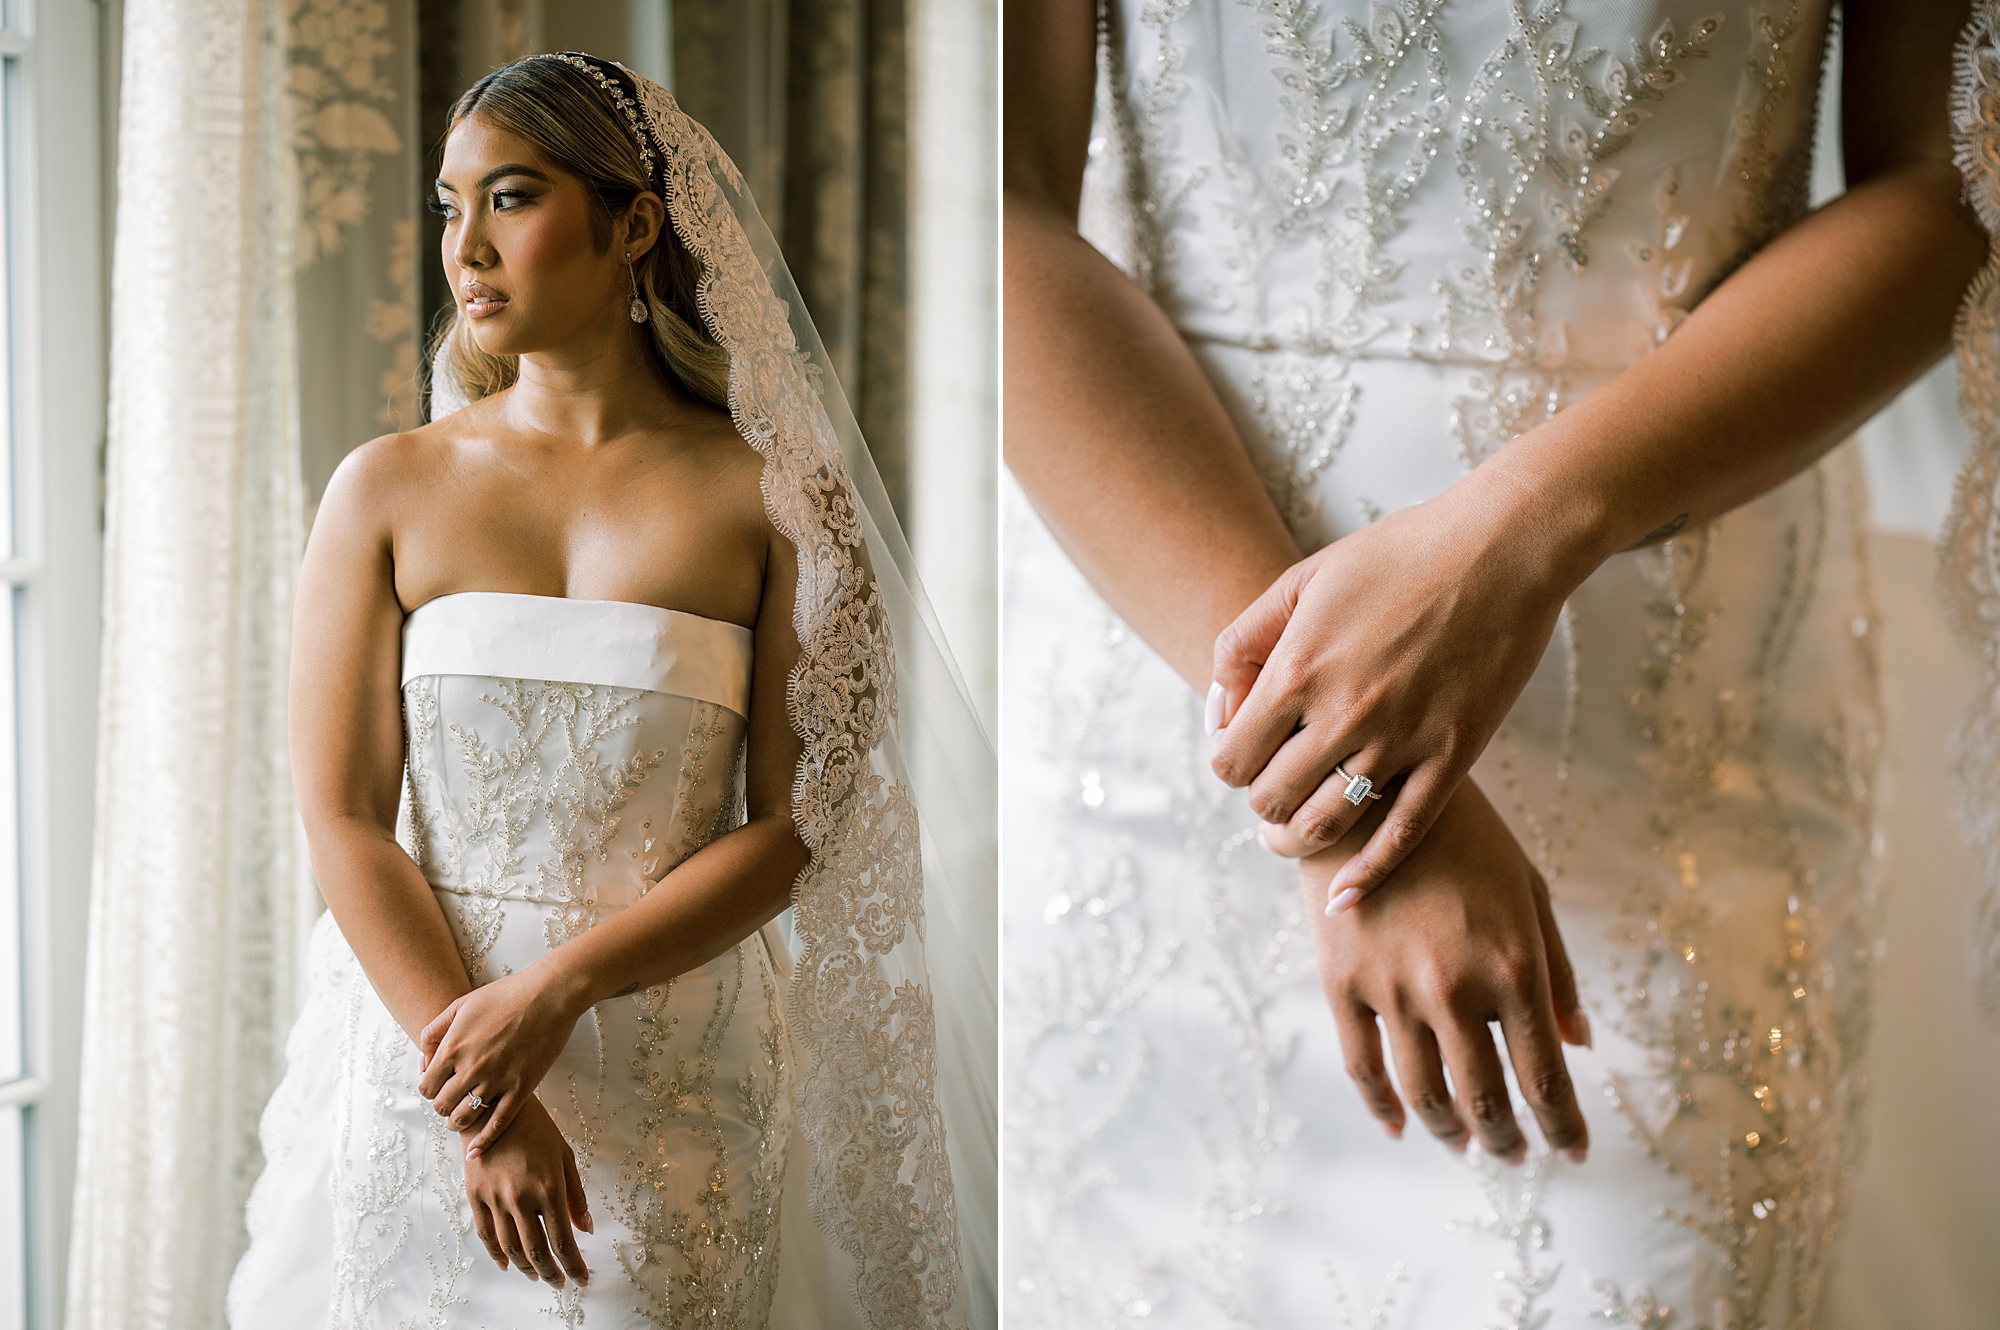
(51, 428)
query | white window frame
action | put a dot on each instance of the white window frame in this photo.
(58, 223)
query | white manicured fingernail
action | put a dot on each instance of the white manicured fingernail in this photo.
(1574, 1154)
(1211, 716)
(1342, 902)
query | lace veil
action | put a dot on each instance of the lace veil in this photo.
(892, 1001)
(1969, 571)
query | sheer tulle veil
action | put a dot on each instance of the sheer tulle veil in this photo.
(890, 1209)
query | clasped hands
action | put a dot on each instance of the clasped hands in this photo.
(1395, 653)
(497, 1043)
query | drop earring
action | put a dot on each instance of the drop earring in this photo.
(638, 308)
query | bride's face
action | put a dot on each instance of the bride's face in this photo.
(527, 272)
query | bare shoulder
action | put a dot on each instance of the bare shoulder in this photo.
(372, 479)
(347, 595)
(360, 498)
(390, 474)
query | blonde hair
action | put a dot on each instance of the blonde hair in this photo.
(569, 120)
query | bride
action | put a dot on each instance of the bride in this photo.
(593, 678)
(1511, 319)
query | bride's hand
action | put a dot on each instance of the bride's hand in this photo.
(496, 1042)
(527, 1197)
(1393, 652)
(1462, 936)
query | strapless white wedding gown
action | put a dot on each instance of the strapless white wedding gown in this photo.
(562, 756)
(1397, 235)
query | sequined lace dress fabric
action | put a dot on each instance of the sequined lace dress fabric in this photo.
(1396, 236)
(536, 808)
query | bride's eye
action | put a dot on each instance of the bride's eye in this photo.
(501, 194)
(438, 205)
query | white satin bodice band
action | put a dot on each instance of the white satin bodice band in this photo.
(620, 644)
(621, 723)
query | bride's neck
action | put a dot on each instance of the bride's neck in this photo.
(596, 398)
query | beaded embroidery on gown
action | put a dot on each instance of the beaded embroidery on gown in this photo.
(1396, 236)
(563, 755)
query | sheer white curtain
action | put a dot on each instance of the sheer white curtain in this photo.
(198, 881)
(954, 329)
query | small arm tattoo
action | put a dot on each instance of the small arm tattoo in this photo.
(628, 990)
(1667, 532)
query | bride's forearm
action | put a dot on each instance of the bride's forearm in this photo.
(709, 903)
(1785, 359)
(1125, 449)
(1110, 425)
(391, 919)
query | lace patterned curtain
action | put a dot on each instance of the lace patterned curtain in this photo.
(353, 79)
(265, 165)
(198, 884)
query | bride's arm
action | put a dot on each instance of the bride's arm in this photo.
(1821, 329)
(346, 732)
(1127, 453)
(1404, 645)
(1111, 427)
(499, 1041)
(346, 726)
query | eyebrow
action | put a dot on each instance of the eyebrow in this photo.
(501, 172)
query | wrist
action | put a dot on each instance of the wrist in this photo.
(565, 987)
(1552, 532)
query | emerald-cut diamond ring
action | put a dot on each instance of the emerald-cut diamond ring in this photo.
(1358, 787)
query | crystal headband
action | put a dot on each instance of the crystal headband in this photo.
(613, 78)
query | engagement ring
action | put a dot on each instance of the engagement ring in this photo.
(1358, 787)
(477, 1103)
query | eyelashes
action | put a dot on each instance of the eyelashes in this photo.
(504, 200)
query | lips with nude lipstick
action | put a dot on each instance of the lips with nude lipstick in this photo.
(481, 300)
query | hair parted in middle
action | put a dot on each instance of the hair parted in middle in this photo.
(569, 119)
